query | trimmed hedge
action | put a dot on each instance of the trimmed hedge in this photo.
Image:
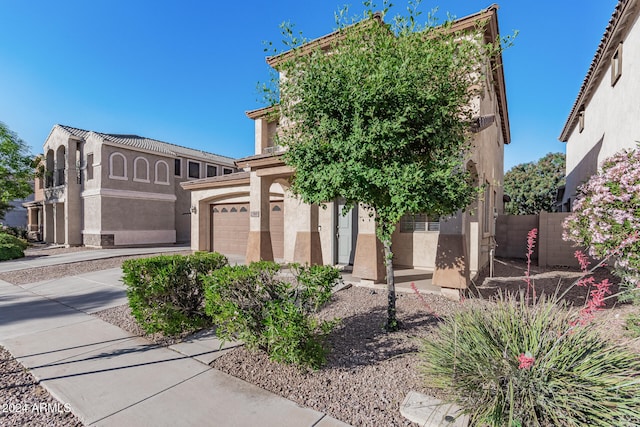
(166, 292)
(252, 304)
(11, 247)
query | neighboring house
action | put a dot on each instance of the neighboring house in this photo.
(16, 215)
(604, 117)
(251, 213)
(105, 190)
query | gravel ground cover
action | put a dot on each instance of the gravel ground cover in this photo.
(23, 402)
(369, 372)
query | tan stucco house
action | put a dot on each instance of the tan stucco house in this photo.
(252, 214)
(105, 190)
(604, 117)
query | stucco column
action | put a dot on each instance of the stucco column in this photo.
(72, 205)
(457, 239)
(48, 226)
(59, 220)
(259, 241)
(307, 248)
(368, 263)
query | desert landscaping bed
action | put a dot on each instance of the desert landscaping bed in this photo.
(368, 371)
(23, 402)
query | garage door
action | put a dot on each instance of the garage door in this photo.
(230, 228)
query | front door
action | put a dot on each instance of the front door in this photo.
(346, 234)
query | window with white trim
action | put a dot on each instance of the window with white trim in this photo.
(226, 171)
(118, 166)
(141, 169)
(161, 173)
(212, 170)
(177, 167)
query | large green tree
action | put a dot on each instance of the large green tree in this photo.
(533, 186)
(382, 120)
(16, 169)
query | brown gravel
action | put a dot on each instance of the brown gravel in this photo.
(368, 372)
(23, 402)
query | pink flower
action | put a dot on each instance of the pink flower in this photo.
(423, 301)
(582, 259)
(526, 360)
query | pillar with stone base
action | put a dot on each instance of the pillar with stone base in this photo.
(307, 248)
(259, 241)
(451, 272)
(368, 263)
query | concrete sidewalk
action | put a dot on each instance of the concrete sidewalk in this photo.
(111, 378)
(42, 259)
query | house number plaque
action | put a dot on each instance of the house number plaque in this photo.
(255, 214)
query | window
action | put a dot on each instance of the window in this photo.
(410, 223)
(117, 166)
(177, 167)
(194, 169)
(212, 170)
(161, 173)
(581, 120)
(141, 170)
(616, 65)
(488, 212)
(89, 166)
(226, 171)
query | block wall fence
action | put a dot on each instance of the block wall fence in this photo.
(550, 249)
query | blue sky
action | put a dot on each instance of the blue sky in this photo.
(186, 71)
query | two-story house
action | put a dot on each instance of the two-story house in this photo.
(105, 190)
(252, 214)
(604, 117)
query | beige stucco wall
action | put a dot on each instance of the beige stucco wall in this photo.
(611, 117)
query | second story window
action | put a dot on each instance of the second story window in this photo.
(89, 166)
(616, 65)
(212, 171)
(581, 120)
(194, 169)
(227, 171)
(178, 167)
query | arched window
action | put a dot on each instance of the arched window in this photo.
(118, 166)
(162, 173)
(141, 169)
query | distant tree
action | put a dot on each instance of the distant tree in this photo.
(16, 169)
(382, 120)
(533, 186)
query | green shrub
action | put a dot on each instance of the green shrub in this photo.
(19, 232)
(252, 304)
(513, 364)
(11, 247)
(166, 293)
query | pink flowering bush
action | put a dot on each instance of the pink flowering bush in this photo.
(606, 218)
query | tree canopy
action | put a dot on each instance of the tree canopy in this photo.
(16, 169)
(380, 117)
(533, 186)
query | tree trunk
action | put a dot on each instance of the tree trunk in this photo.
(392, 321)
